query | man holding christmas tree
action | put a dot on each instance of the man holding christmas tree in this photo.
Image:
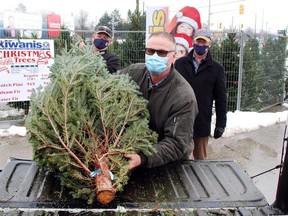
(102, 39)
(171, 103)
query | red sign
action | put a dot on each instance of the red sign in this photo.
(54, 24)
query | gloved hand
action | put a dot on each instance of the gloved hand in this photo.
(218, 132)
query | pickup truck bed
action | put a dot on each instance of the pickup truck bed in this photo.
(186, 188)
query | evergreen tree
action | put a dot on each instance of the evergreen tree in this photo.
(105, 20)
(63, 41)
(230, 49)
(216, 51)
(251, 79)
(83, 123)
(274, 50)
(132, 49)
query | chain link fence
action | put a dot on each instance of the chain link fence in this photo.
(255, 65)
(255, 68)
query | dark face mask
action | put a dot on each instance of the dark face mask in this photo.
(100, 43)
(200, 50)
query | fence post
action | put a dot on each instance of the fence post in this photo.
(240, 71)
(284, 93)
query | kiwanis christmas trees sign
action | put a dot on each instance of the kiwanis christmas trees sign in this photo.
(23, 67)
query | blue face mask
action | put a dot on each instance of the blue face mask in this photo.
(156, 64)
(100, 43)
(200, 50)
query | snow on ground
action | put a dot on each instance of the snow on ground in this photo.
(237, 122)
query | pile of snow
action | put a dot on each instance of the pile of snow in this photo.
(13, 131)
(237, 122)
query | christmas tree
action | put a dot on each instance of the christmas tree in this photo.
(84, 121)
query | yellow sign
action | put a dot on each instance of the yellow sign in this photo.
(220, 25)
(241, 9)
(156, 20)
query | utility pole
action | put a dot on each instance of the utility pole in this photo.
(113, 25)
(255, 22)
(137, 6)
(209, 13)
(262, 21)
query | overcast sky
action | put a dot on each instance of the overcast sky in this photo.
(264, 15)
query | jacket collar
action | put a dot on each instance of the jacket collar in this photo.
(165, 80)
(191, 55)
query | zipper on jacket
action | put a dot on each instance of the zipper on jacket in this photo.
(175, 125)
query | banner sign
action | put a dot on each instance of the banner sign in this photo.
(54, 24)
(157, 20)
(30, 25)
(68, 22)
(24, 67)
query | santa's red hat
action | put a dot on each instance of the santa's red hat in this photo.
(185, 40)
(191, 16)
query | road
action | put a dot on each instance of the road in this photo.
(255, 152)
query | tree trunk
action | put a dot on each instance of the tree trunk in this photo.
(105, 191)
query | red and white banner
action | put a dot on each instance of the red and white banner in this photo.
(24, 67)
(54, 24)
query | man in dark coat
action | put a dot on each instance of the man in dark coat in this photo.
(101, 40)
(207, 78)
(171, 103)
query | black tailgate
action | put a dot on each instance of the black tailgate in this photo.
(186, 185)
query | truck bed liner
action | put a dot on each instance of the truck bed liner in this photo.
(190, 186)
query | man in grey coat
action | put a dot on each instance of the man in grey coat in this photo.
(171, 103)
(206, 77)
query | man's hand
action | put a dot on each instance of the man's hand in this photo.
(82, 44)
(218, 132)
(134, 160)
